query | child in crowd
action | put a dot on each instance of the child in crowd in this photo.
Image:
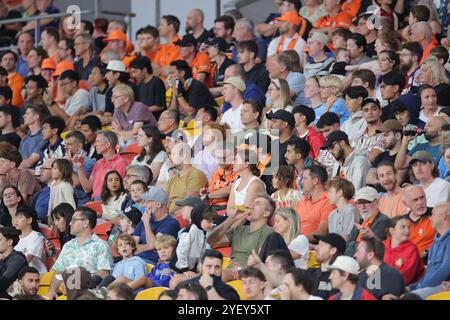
(31, 242)
(342, 57)
(283, 182)
(138, 188)
(343, 218)
(113, 194)
(61, 189)
(130, 267)
(161, 274)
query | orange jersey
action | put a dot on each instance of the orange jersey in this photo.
(151, 54)
(341, 20)
(202, 64)
(169, 52)
(421, 232)
(351, 7)
(127, 60)
(15, 82)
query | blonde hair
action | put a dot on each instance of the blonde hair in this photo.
(332, 81)
(165, 241)
(436, 69)
(294, 223)
(285, 98)
(125, 90)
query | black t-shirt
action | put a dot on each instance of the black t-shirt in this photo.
(224, 290)
(259, 76)
(322, 284)
(443, 94)
(12, 138)
(12, 14)
(203, 37)
(283, 149)
(388, 280)
(199, 95)
(384, 156)
(370, 51)
(218, 73)
(153, 93)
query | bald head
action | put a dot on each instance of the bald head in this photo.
(194, 20)
(198, 13)
(437, 122)
(421, 32)
(415, 199)
(235, 70)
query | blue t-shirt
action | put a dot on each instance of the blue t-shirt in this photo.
(252, 91)
(41, 204)
(161, 275)
(435, 151)
(338, 107)
(22, 67)
(444, 170)
(81, 197)
(32, 144)
(55, 22)
(168, 225)
(132, 268)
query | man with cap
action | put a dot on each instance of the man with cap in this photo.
(220, 62)
(336, 18)
(317, 62)
(155, 221)
(344, 277)
(117, 41)
(289, 38)
(373, 223)
(425, 171)
(233, 92)
(188, 94)
(198, 61)
(330, 246)
(304, 116)
(352, 166)
(187, 205)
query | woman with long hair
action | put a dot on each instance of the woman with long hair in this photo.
(153, 153)
(113, 195)
(433, 74)
(12, 199)
(279, 94)
(62, 216)
(34, 59)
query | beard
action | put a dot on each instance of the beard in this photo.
(189, 29)
(404, 68)
(430, 135)
(340, 155)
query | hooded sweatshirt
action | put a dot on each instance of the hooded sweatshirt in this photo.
(405, 258)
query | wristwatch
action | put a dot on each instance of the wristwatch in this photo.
(209, 288)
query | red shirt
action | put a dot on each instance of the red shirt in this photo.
(102, 167)
(359, 294)
(405, 258)
(315, 141)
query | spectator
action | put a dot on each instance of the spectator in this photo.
(344, 277)
(216, 49)
(210, 278)
(432, 73)
(253, 283)
(357, 47)
(251, 116)
(429, 107)
(168, 28)
(223, 28)
(11, 175)
(286, 195)
(401, 253)
(52, 127)
(97, 94)
(8, 134)
(341, 220)
(354, 99)
(296, 156)
(113, 194)
(12, 200)
(25, 44)
(410, 56)
(38, 62)
(87, 250)
(105, 144)
(425, 171)
(151, 89)
(247, 55)
(335, 18)
(155, 221)
(65, 50)
(304, 116)
(9, 62)
(12, 262)
(195, 19)
(278, 94)
(31, 242)
(90, 125)
(29, 281)
(331, 88)
(192, 291)
(328, 249)
(188, 181)
(84, 50)
(35, 86)
(129, 115)
(244, 30)
(62, 217)
(117, 41)
(286, 223)
(317, 62)
(31, 145)
(297, 285)
(40, 200)
(233, 91)
(120, 291)
(352, 166)
(168, 122)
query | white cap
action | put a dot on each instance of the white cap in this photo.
(346, 264)
(116, 65)
(366, 193)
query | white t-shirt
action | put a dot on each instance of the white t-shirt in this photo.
(33, 244)
(232, 117)
(311, 297)
(75, 102)
(161, 157)
(437, 191)
(301, 246)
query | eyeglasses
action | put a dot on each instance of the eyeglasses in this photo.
(116, 97)
(363, 203)
(130, 175)
(63, 84)
(43, 168)
(11, 194)
(78, 219)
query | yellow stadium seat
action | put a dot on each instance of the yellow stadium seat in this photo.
(237, 285)
(46, 278)
(440, 296)
(149, 267)
(226, 262)
(62, 298)
(150, 294)
(107, 128)
(43, 290)
(220, 100)
(312, 263)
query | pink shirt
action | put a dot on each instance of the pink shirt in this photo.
(102, 167)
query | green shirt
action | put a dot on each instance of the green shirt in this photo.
(242, 241)
(94, 255)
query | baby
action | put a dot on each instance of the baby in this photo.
(342, 57)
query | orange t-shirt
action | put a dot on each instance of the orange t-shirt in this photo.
(392, 206)
(127, 60)
(15, 82)
(152, 54)
(351, 7)
(202, 64)
(218, 181)
(426, 51)
(341, 20)
(169, 52)
(311, 214)
(367, 224)
(421, 233)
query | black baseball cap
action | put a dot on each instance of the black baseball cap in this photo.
(134, 214)
(189, 201)
(187, 41)
(334, 240)
(333, 137)
(306, 111)
(371, 100)
(218, 43)
(282, 115)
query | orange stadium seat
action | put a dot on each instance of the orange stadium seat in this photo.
(96, 206)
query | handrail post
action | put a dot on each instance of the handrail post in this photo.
(37, 33)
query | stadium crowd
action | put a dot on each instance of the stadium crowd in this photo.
(306, 157)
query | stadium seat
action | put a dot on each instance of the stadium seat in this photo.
(102, 229)
(226, 251)
(47, 231)
(133, 148)
(237, 285)
(96, 206)
(150, 294)
(62, 298)
(128, 156)
(46, 279)
(312, 263)
(149, 267)
(440, 296)
(226, 262)
(183, 222)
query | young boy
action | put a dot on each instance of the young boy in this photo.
(342, 219)
(342, 60)
(161, 273)
(52, 127)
